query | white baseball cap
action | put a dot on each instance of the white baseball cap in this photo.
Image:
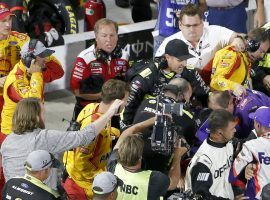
(41, 159)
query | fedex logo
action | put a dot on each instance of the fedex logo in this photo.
(264, 159)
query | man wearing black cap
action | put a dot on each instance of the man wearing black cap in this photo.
(38, 168)
(150, 80)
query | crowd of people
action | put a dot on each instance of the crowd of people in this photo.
(194, 119)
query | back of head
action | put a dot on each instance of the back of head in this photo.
(219, 119)
(190, 10)
(130, 150)
(104, 22)
(219, 99)
(114, 89)
(182, 84)
(25, 117)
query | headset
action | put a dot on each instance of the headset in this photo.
(252, 45)
(103, 56)
(27, 59)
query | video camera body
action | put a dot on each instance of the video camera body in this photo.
(164, 134)
(187, 195)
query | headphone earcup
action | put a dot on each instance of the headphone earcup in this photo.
(27, 60)
(252, 45)
(117, 52)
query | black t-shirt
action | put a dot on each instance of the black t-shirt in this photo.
(26, 189)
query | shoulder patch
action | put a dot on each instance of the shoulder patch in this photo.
(21, 36)
(190, 67)
(145, 72)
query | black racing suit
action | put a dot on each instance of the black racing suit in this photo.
(150, 82)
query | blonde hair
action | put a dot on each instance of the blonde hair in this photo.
(25, 116)
(103, 22)
(130, 150)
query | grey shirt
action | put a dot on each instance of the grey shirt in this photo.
(16, 148)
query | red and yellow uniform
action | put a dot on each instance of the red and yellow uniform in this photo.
(20, 85)
(229, 69)
(84, 163)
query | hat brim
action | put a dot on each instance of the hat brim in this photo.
(4, 15)
(46, 53)
(185, 57)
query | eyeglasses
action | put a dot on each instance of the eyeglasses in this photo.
(191, 25)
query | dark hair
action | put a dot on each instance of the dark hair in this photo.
(190, 10)
(182, 84)
(219, 119)
(25, 117)
(114, 89)
(221, 98)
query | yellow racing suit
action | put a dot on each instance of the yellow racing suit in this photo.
(19, 85)
(229, 69)
(84, 163)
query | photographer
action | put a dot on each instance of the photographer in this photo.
(178, 89)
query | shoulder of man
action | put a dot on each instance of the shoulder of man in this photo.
(204, 159)
(19, 37)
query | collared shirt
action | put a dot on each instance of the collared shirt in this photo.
(213, 39)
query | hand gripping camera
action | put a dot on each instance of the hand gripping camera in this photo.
(164, 132)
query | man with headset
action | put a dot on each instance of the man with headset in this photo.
(231, 69)
(97, 64)
(26, 79)
(11, 43)
(154, 75)
(208, 172)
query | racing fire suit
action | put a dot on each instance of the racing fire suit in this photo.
(90, 72)
(19, 85)
(84, 163)
(149, 83)
(229, 69)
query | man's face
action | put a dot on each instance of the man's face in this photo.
(264, 46)
(191, 27)
(229, 131)
(175, 65)
(107, 38)
(5, 27)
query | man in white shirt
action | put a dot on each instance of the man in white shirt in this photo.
(203, 40)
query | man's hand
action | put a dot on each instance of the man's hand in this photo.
(249, 171)
(34, 67)
(2, 81)
(238, 44)
(239, 90)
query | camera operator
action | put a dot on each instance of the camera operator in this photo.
(155, 74)
(177, 88)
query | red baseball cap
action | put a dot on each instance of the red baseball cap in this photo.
(4, 11)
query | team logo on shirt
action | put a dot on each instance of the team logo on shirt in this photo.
(24, 185)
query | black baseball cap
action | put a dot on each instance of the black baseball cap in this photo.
(179, 49)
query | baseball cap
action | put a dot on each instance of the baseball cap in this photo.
(178, 49)
(39, 50)
(4, 11)
(262, 116)
(266, 192)
(41, 159)
(105, 183)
